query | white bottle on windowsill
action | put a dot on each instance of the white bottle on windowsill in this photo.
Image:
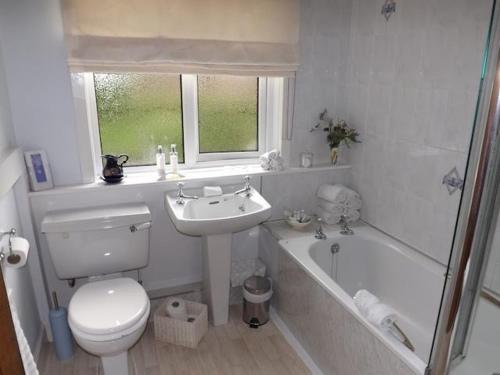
(160, 162)
(174, 159)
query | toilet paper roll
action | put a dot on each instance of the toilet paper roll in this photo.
(176, 308)
(20, 248)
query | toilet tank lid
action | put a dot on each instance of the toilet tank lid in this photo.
(95, 218)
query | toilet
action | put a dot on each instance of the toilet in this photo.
(108, 314)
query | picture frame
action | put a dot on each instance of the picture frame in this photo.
(38, 170)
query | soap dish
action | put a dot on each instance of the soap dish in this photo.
(299, 225)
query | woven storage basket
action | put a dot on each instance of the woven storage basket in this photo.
(180, 332)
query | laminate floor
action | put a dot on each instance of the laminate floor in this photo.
(231, 349)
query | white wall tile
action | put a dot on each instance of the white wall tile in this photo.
(421, 72)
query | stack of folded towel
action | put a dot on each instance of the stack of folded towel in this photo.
(272, 161)
(338, 200)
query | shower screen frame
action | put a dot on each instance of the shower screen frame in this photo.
(476, 215)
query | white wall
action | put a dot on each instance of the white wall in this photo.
(413, 85)
(39, 83)
(18, 280)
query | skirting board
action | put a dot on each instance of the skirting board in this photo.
(294, 343)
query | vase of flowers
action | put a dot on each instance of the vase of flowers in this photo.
(339, 133)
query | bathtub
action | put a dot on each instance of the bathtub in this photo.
(400, 276)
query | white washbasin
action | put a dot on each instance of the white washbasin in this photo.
(227, 213)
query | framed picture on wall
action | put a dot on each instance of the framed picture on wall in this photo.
(38, 170)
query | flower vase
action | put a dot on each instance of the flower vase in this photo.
(334, 155)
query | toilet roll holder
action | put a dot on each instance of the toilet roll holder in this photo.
(11, 257)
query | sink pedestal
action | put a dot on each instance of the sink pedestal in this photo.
(216, 250)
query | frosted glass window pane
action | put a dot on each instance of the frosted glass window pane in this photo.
(227, 113)
(138, 112)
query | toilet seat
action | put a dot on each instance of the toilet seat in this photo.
(108, 309)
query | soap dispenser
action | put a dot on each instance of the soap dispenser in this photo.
(174, 159)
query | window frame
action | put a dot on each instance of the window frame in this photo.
(270, 105)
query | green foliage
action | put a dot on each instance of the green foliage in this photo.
(340, 132)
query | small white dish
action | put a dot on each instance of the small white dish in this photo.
(299, 225)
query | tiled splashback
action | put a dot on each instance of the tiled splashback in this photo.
(412, 89)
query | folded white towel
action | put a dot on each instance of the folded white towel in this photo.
(265, 164)
(382, 316)
(333, 193)
(327, 216)
(277, 164)
(271, 161)
(364, 300)
(273, 154)
(353, 202)
(351, 215)
(334, 208)
(340, 194)
(212, 191)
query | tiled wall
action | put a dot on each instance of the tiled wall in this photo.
(412, 86)
(324, 46)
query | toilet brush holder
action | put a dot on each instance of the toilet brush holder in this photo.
(63, 340)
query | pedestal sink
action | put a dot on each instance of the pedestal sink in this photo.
(215, 219)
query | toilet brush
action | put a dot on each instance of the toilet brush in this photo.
(63, 341)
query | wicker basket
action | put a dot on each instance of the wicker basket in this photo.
(180, 332)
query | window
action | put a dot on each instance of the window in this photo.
(137, 112)
(227, 114)
(211, 118)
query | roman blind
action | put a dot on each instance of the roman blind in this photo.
(249, 37)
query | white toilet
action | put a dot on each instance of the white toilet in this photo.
(108, 314)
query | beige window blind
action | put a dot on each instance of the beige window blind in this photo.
(250, 37)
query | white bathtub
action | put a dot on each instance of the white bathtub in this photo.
(400, 276)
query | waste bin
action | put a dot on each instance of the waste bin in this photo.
(257, 292)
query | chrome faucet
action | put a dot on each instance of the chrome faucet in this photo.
(344, 226)
(180, 194)
(246, 189)
(318, 233)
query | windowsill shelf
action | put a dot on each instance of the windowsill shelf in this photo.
(138, 179)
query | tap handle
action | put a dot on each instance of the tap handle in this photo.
(247, 180)
(180, 185)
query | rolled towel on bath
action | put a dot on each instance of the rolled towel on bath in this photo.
(363, 300)
(382, 316)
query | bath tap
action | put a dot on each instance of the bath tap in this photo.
(319, 234)
(180, 194)
(246, 189)
(344, 226)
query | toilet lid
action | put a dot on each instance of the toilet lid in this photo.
(107, 306)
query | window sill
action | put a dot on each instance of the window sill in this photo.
(148, 178)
